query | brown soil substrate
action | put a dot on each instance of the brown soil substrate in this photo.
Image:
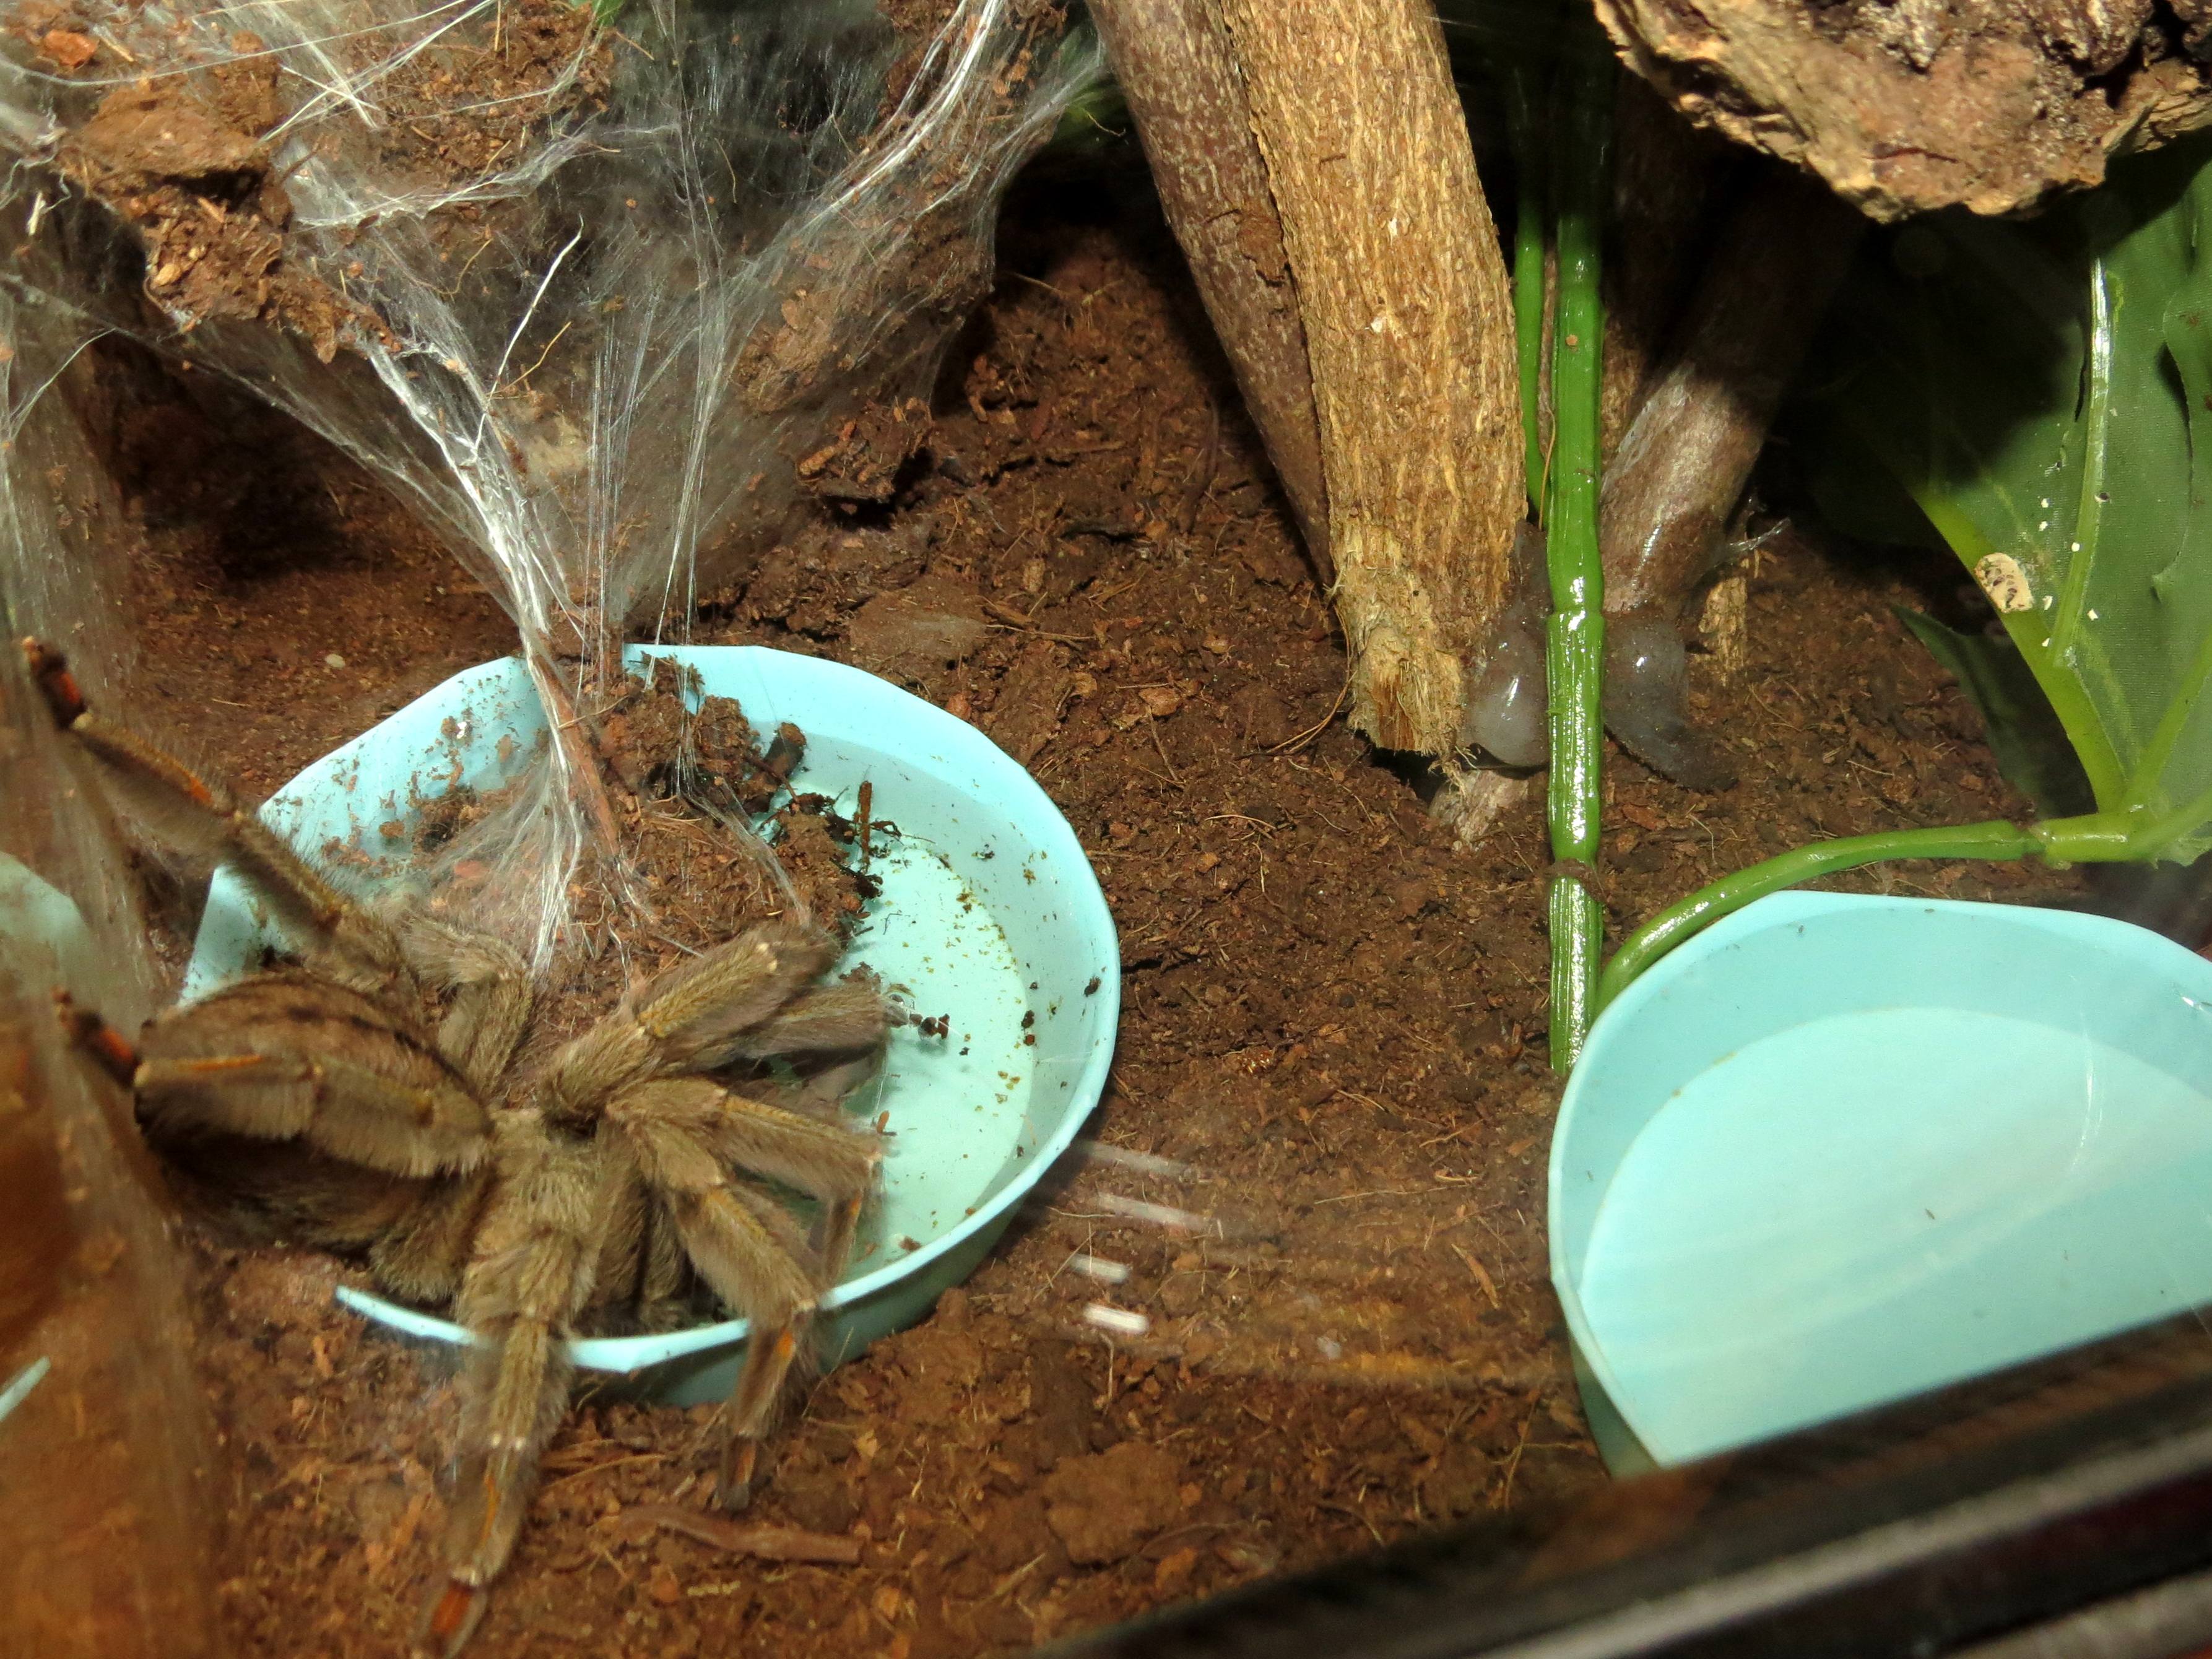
(1320, 1156)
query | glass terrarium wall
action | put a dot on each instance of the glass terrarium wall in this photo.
(1634, 714)
(104, 1429)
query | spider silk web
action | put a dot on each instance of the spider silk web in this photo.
(602, 294)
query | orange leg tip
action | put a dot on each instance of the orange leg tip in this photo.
(88, 1031)
(50, 669)
(451, 1617)
(116, 1057)
(452, 1607)
(785, 1343)
(735, 1489)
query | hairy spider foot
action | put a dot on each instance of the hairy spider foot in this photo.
(733, 1487)
(88, 1032)
(450, 1617)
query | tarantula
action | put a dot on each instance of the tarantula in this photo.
(367, 1100)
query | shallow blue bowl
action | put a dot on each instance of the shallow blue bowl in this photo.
(989, 915)
(1838, 1150)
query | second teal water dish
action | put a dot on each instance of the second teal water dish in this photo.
(1838, 1150)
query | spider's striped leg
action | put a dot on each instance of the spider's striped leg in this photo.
(686, 1135)
(695, 1016)
(200, 816)
(282, 1056)
(532, 1273)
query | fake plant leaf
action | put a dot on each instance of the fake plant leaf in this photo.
(2044, 391)
(2024, 732)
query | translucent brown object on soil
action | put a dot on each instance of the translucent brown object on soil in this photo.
(1175, 66)
(1919, 104)
(1409, 329)
(102, 1538)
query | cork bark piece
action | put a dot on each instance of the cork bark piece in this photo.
(1173, 61)
(1903, 106)
(1408, 322)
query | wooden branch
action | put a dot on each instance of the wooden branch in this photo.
(1909, 105)
(1666, 177)
(768, 1543)
(1676, 476)
(1409, 331)
(1174, 64)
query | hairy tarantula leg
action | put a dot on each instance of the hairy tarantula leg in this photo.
(689, 1018)
(91, 1036)
(348, 1110)
(751, 1409)
(533, 1271)
(825, 1160)
(828, 1019)
(203, 819)
(745, 1245)
(661, 1279)
(841, 1221)
(836, 1165)
(694, 1009)
(492, 995)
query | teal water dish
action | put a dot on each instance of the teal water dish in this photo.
(1838, 1150)
(989, 914)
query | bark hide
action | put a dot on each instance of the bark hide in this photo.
(1678, 473)
(1903, 105)
(1667, 175)
(1409, 331)
(1174, 64)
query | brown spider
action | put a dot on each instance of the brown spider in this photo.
(338, 1100)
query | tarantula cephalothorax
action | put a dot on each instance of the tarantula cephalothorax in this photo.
(367, 1100)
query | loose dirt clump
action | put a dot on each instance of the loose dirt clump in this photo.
(688, 782)
(183, 168)
(685, 784)
(1289, 1298)
(181, 150)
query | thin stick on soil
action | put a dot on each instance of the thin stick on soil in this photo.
(1576, 653)
(768, 1543)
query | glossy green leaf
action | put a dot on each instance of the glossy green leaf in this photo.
(2044, 391)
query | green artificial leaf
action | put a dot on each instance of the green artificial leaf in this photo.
(2025, 735)
(2043, 391)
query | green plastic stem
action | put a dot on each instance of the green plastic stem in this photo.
(1575, 637)
(1995, 839)
(1524, 84)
